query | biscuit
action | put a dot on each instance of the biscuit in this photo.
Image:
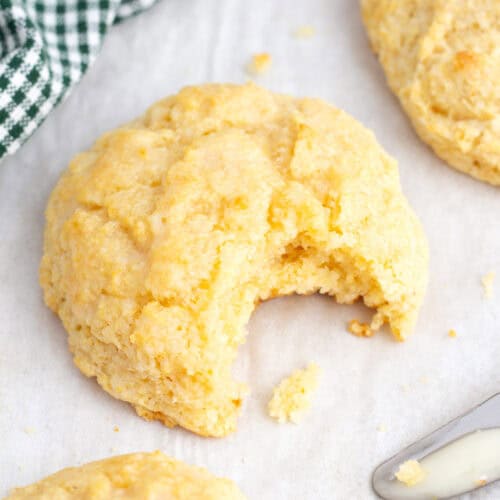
(441, 59)
(137, 476)
(162, 238)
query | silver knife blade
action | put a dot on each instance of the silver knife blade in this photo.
(485, 416)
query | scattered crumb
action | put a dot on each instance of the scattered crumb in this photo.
(366, 330)
(292, 397)
(305, 31)
(116, 429)
(405, 387)
(488, 280)
(259, 64)
(424, 380)
(360, 329)
(410, 473)
(482, 481)
(452, 333)
(29, 430)
(382, 428)
(465, 60)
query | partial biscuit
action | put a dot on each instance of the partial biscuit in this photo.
(441, 59)
(138, 476)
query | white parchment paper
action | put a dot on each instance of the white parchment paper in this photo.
(52, 417)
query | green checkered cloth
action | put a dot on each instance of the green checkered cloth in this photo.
(45, 48)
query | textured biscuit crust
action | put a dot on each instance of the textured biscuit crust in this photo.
(140, 476)
(163, 237)
(442, 60)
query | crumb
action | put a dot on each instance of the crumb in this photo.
(116, 429)
(292, 397)
(405, 387)
(452, 333)
(377, 322)
(366, 330)
(424, 380)
(259, 64)
(482, 481)
(382, 428)
(410, 473)
(29, 430)
(487, 280)
(305, 31)
(360, 329)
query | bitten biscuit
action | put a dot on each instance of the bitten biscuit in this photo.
(162, 238)
(441, 59)
(139, 476)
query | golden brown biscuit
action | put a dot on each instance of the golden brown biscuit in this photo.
(441, 59)
(163, 237)
(139, 476)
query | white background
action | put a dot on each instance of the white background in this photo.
(51, 416)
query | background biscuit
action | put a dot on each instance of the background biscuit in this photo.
(441, 59)
(161, 239)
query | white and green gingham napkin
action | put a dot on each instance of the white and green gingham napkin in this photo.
(45, 48)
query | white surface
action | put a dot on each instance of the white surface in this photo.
(410, 388)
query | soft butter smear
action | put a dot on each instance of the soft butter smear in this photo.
(467, 463)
